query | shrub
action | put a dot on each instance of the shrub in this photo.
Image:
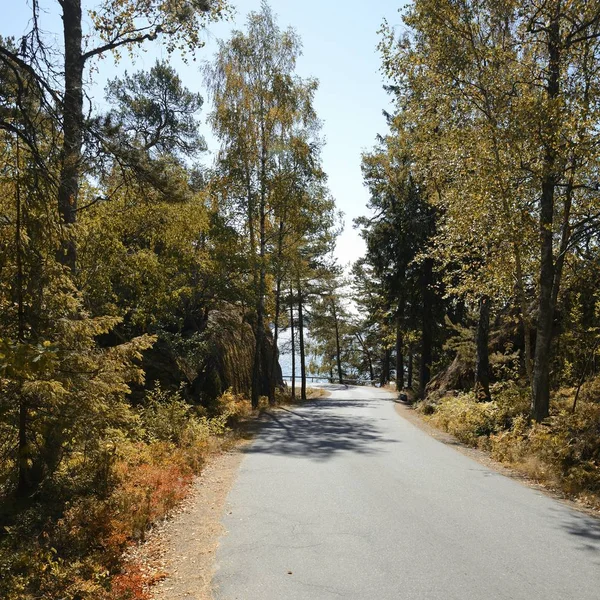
(564, 450)
(233, 407)
(463, 417)
(472, 422)
(73, 548)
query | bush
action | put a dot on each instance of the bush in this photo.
(564, 450)
(73, 548)
(464, 417)
(473, 422)
(233, 407)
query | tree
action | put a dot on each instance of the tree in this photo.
(398, 238)
(496, 100)
(155, 113)
(268, 164)
(116, 24)
(329, 319)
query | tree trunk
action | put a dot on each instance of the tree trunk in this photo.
(260, 308)
(338, 351)
(482, 364)
(252, 231)
(409, 370)
(274, 356)
(275, 353)
(384, 378)
(301, 340)
(399, 354)
(427, 327)
(260, 336)
(68, 185)
(369, 357)
(541, 372)
(293, 343)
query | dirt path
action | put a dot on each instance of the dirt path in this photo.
(181, 551)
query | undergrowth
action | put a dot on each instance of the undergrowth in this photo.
(563, 452)
(69, 543)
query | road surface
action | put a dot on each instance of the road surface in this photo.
(343, 498)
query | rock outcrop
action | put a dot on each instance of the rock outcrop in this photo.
(213, 359)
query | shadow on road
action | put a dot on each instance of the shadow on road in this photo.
(586, 530)
(320, 433)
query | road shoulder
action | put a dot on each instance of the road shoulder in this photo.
(180, 553)
(407, 412)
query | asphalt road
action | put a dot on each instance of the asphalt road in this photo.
(343, 498)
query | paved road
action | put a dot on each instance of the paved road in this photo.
(343, 498)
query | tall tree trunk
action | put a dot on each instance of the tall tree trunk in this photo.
(482, 363)
(409, 369)
(338, 351)
(68, 185)
(301, 341)
(257, 370)
(399, 352)
(293, 343)
(367, 353)
(251, 226)
(257, 373)
(275, 353)
(371, 369)
(541, 372)
(384, 377)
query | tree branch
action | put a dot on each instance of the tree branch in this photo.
(117, 43)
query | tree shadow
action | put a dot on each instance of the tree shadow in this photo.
(586, 530)
(318, 434)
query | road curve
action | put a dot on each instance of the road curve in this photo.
(343, 498)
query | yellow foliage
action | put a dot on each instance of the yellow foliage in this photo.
(235, 407)
(564, 451)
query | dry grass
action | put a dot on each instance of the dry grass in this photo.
(562, 454)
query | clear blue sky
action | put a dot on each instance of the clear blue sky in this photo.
(339, 40)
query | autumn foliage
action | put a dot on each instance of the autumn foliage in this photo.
(72, 545)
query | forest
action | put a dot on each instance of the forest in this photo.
(145, 291)
(141, 290)
(479, 291)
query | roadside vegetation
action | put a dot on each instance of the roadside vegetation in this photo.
(560, 453)
(142, 289)
(70, 539)
(480, 288)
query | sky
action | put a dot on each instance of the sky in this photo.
(339, 49)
